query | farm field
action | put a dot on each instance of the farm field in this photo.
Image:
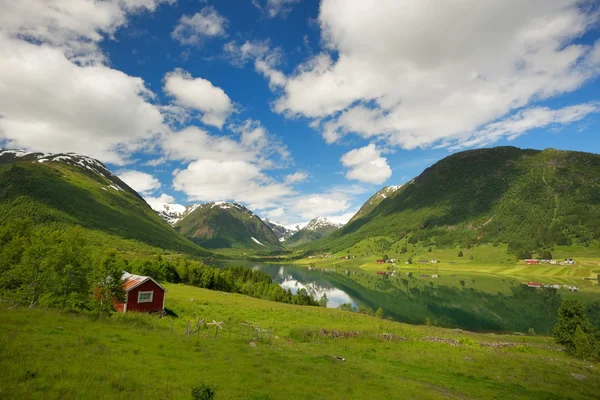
(46, 354)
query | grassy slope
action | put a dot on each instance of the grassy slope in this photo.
(373, 202)
(62, 194)
(59, 356)
(217, 228)
(534, 199)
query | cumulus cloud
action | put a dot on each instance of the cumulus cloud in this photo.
(200, 95)
(139, 181)
(366, 165)
(251, 142)
(209, 180)
(163, 198)
(192, 30)
(417, 74)
(296, 177)
(275, 8)
(58, 94)
(265, 59)
(525, 120)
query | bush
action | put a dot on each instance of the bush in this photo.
(531, 332)
(203, 392)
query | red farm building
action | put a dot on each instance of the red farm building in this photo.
(142, 293)
(532, 262)
(380, 262)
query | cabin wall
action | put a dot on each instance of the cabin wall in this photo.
(157, 299)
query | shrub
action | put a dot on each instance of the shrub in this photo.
(531, 332)
(203, 392)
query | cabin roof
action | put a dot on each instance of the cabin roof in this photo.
(131, 281)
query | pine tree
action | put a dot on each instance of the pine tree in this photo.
(571, 316)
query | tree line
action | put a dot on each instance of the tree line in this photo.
(49, 267)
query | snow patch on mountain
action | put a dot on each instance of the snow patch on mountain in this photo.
(253, 238)
(172, 213)
(320, 223)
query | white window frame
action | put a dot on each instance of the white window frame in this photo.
(139, 300)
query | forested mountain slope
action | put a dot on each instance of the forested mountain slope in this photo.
(529, 199)
(227, 225)
(62, 190)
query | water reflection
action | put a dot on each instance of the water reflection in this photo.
(316, 283)
(412, 300)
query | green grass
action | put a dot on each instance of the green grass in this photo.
(49, 355)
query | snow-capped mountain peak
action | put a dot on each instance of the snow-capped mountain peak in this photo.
(319, 223)
(172, 213)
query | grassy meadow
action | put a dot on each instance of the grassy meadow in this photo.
(45, 354)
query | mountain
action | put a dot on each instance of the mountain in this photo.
(374, 201)
(282, 232)
(62, 190)
(172, 213)
(227, 225)
(316, 229)
(528, 199)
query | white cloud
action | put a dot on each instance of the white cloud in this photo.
(162, 199)
(275, 8)
(210, 180)
(531, 118)
(417, 74)
(139, 181)
(75, 26)
(296, 177)
(366, 165)
(199, 94)
(251, 143)
(265, 59)
(315, 205)
(192, 30)
(57, 93)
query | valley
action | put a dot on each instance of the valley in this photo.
(401, 281)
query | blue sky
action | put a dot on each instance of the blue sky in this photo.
(296, 108)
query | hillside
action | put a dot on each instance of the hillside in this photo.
(374, 201)
(63, 190)
(381, 359)
(317, 228)
(222, 225)
(529, 199)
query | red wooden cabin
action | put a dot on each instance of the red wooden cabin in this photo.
(142, 293)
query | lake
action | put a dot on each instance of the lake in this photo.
(411, 300)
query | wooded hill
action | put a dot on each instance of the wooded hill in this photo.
(227, 225)
(60, 191)
(530, 199)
